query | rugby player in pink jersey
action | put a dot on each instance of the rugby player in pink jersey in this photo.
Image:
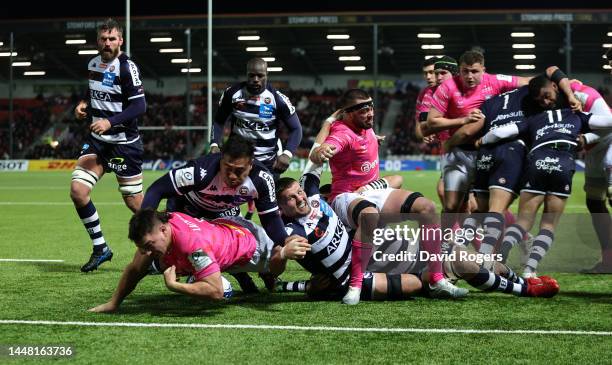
(352, 151)
(191, 246)
(423, 101)
(455, 103)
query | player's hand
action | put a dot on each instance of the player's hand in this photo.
(323, 153)
(574, 103)
(430, 139)
(100, 126)
(170, 277)
(380, 139)
(474, 116)
(337, 115)
(108, 307)
(295, 247)
(581, 141)
(80, 112)
(281, 164)
(215, 149)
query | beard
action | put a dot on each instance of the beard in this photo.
(109, 54)
(254, 89)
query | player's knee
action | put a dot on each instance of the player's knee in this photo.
(130, 188)
(365, 212)
(83, 181)
(596, 206)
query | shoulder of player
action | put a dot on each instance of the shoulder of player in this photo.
(260, 172)
(93, 62)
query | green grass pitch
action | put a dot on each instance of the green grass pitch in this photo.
(39, 222)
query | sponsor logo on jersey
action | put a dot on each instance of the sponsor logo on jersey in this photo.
(243, 190)
(267, 100)
(368, 166)
(315, 204)
(109, 79)
(202, 173)
(112, 68)
(102, 65)
(99, 95)
(184, 177)
(266, 111)
(287, 101)
(502, 180)
(549, 164)
(270, 183)
(199, 260)
(134, 73)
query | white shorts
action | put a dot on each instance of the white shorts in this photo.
(596, 171)
(260, 261)
(342, 202)
(459, 169)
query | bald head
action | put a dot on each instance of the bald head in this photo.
(257, 75)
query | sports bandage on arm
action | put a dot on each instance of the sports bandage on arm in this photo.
(600, 121)
(500, 133)
(591, 138)
(379, 184)
(557, 76)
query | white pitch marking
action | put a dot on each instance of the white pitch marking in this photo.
(29, 260)
(309, 328)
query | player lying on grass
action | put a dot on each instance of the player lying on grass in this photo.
(307, 214)
(190, 246)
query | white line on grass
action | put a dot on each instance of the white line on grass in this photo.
(304, 328)
(29, 260)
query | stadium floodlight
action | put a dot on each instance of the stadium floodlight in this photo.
(257, 49)
(249, 37)
(34, 73)
(7, 54)
(432, 46)
(523, 45)
(275, 69)
(76, 41)
(181, 60)
(522, 34)
(170, 50)
(160, 39)
(429, 35)
(525, 67)
(349, 58)
(607, 45)
(609, 35)
(191, 70)
(22, 64)
(88, 51)
(354, 68)
(431, 56)
(269, 59)
(344, 48)
(338, 36)
(607, 67)
(1, 44)
(524, 57)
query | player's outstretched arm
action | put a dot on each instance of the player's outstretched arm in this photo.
(436, 121)
(133, 273)
(209, 287)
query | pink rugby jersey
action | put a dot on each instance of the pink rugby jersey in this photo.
(454, 101)
(356, 160)
(423, 104)
(202, 248)
(585, 94)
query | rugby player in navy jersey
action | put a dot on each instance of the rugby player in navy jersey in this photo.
(328, 258)
(114, 104)
(254, 109)
(551, 136)
(215, 185)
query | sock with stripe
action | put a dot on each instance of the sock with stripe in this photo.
(541, 245)
(514, 235)
(91, 221)
(292, 286)
(488, 281)
(494, 227)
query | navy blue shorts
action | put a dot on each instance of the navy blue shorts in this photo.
(501, 167)
(125, 160)
(548, 171)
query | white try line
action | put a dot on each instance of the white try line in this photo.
(29, 260)
(56, 203)
(308, 328)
